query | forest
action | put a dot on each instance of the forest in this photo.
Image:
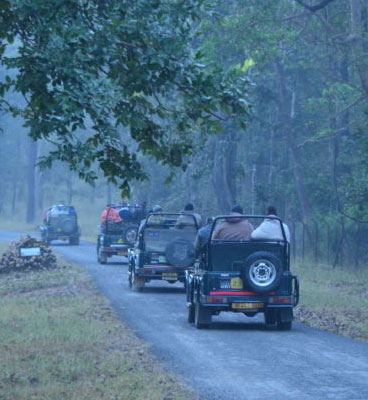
(250, 102)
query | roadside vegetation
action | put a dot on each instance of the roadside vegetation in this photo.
(334, 299)
(60, 340)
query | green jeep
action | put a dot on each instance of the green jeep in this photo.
(243, 276)
(164, 250)
(115, 238)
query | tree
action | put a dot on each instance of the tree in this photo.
(89, 68)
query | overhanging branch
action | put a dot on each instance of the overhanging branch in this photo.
(316, 7)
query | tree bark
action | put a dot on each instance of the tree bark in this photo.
(287, 113)
(31, 180)
(224, 174)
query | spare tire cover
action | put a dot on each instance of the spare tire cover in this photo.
(180, 252)
(68, 225)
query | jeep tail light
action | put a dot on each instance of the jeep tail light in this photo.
(281, 300)
(216, 300)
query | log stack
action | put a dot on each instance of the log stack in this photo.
(13, 261)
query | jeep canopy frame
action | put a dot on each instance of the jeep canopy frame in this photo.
(282, 245)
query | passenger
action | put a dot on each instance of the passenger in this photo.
(155, 209)
(125, 214)
(203, 236)
(186, 219)
(109, 214)
(234, 228)
(270, 229)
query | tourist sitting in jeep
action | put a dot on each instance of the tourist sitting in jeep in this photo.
(60, 222)
(164, 250)
(239, 274)
(118, 230)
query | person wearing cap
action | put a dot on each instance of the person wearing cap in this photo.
(270, 229)
(187, 219)
(234, 228)
(203, 236)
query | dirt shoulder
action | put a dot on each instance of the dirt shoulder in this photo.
(61, 340)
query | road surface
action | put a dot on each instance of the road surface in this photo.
(237, 358)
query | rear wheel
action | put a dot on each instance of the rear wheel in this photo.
(191, 314)
(101, 256)
(284, 319)
(284, 326)
(270, 317)
(74, 241)
(202, 316)
(137, 283)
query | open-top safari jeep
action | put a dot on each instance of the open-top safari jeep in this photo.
(115, 238)
(243, 276)
(164, 249)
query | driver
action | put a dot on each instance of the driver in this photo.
(155, 209)
(234, 228)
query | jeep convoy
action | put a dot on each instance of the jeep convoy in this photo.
(227, 273)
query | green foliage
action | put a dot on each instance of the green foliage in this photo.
(90, 68)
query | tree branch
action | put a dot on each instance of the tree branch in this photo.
(315, 8)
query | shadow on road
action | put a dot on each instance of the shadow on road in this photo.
(162, 289)
(237, 326)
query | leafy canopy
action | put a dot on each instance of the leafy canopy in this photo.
(99, 75)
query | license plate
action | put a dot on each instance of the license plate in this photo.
(122, 253)
(246, 306)
(169, 276)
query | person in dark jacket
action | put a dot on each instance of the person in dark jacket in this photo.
(203, 236)
(234, 228)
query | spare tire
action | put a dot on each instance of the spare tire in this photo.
(180, 252)
(130, 234)
(68, 225)
(262, 272)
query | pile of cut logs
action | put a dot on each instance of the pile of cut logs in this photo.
(13, 261)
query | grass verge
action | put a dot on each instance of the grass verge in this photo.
(60, 340)
(334, 299)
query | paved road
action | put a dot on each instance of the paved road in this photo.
(237, 358)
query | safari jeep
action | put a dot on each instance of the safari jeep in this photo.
(247, 277)
(116, 238)
(164, 250)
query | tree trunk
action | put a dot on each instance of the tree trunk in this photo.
(287, 113)
(31, 181)
(69, 188)
(108, 193)
(357, 34)
(224, 174)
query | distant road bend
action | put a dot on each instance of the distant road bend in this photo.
(237, 358)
